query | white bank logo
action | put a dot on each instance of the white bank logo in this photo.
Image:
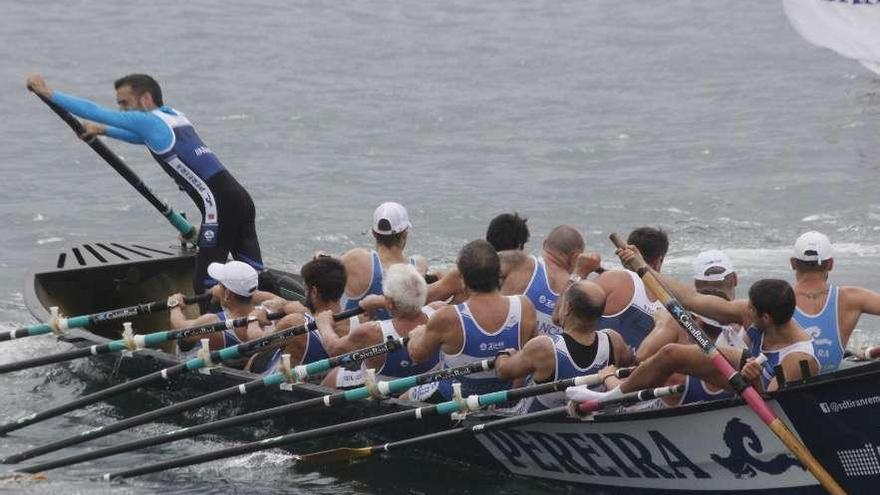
(832, 407)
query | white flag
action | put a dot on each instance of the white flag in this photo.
(849, 27)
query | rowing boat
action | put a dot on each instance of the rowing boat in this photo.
(709, 447)
(98, 276)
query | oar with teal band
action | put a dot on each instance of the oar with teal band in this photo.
(473, 403)
(350, 454)
(392, 387)
(187, 231)
(297, 373)
(137, 341)
(86, 321)
(225, 354)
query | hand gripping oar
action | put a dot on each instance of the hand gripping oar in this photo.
(736, 381)
(296, 374)
(383, 388)
(225, 354)
(187, 231)
(135, 342)
(473, 402)
(85, 321)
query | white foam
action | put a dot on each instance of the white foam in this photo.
(49, 240)
(823, 217)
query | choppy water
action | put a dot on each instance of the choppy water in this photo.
(714, 121)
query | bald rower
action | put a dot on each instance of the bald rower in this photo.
(542, 278)
(581, 348)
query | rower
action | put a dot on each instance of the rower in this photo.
(542, 278)
(827, 312)
(236, 285)
(771, 332)
(487, 322)
(508, 231)
(324, 278)
(365, 267)
(714, 275)
(405, 291)
(629, 308)
(695, 389)
(581, 349)
(226, 207)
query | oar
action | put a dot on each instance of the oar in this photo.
(349, 453)
(736, 381)
(384, 387)
(86, 321)
(225, 354)
(138, 341)
(299, 373)
(473, 402)
(187, 231)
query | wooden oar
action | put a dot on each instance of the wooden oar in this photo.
(736, 381)
(225, 354)
(298, 373)
(391, 388)
(474, 402)
(138, 341)
(86, 321)
(346, 454)
(187, 231)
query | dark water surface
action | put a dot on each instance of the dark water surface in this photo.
(719, 124)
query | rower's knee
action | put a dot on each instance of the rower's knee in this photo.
(670, 355)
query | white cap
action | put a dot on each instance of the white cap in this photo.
(390, 218)
(813, 246)
(705, 261)
(240, 278)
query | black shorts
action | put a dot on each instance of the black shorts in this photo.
(236, 232)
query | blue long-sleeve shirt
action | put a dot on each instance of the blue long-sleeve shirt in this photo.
(133, 126)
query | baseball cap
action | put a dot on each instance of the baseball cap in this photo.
(712, 266)
(390, 218)
(813, 246)
(236, 276)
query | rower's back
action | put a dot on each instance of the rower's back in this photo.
(486, 323)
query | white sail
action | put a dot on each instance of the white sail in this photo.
(849, 27)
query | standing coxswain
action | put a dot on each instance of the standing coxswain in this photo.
(143, 118)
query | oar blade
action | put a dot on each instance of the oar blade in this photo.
(344, 454)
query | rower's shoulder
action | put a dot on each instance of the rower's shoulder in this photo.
(515, 258)
(443, 317)
(613, 279)
(356, 254)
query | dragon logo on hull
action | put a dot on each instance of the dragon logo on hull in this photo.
(742, 441)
